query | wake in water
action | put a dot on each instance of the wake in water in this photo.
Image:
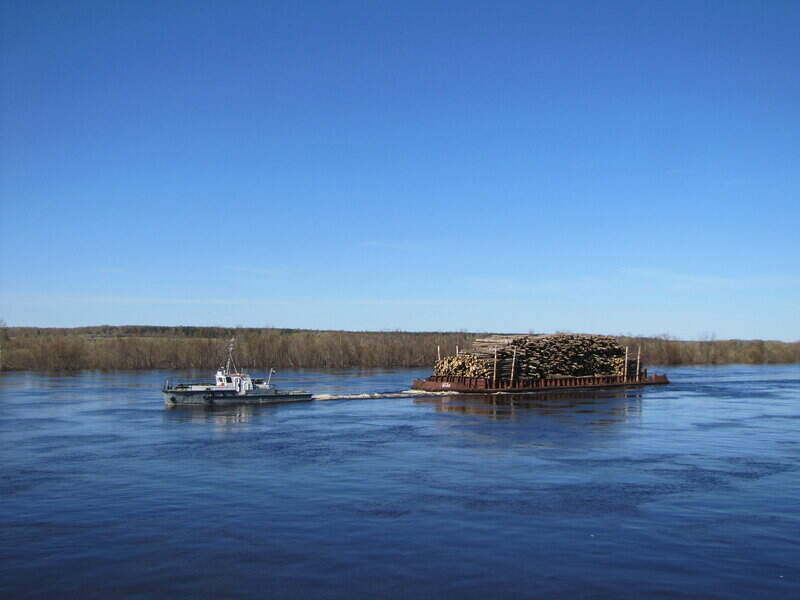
(405, 394)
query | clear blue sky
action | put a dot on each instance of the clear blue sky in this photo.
(615, 167)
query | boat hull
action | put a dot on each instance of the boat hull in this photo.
(481, 385)
(213, 397)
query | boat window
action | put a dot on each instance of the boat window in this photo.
(228, 379)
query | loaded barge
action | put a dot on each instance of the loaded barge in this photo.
(538, 362)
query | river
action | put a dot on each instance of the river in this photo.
(690, 490)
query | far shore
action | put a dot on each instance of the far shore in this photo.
(155, 347)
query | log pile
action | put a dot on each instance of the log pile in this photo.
(462, 365)
(537, 356)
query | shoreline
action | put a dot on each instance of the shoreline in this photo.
(141, 348)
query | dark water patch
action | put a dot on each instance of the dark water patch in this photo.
(16, 480)
(383, 510)
(754, 468)
(635, 462)
(767, 416)
(691, 478)
(787, 442)
(725, 424)
(698, 479)
(48, 443)
(733, 524)
(46, 528)
(592, 499)
(116, 411)
(28, 424)
(745, 393)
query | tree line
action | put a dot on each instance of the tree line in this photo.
(206, 348)
(152, 347)
(666, 350)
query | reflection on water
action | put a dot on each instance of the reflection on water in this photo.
(219, 415)
(594, 407)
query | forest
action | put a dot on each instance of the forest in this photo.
(154, 347)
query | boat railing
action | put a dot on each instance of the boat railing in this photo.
(169, 385)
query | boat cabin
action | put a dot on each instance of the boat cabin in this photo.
(241, 382)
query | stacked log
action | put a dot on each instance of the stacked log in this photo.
(462, 365)
(537, 356)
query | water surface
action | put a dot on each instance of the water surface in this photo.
(684, 491)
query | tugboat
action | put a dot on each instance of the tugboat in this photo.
(230, 386)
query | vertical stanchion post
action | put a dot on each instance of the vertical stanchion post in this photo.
(625, 370)
(513, 364)
(438, 353)
(638, 358)
(494, 370)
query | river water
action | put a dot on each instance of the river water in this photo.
(690, 490)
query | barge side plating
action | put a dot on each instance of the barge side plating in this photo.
(439, 383)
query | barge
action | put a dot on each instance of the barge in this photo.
(513, 363)
(485, 385)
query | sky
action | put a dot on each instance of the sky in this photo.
(609, 167)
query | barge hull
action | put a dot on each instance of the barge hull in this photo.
(481, 385)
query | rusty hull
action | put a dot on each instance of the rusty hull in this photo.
(445, 383)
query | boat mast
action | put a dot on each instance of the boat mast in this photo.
(230, 362)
